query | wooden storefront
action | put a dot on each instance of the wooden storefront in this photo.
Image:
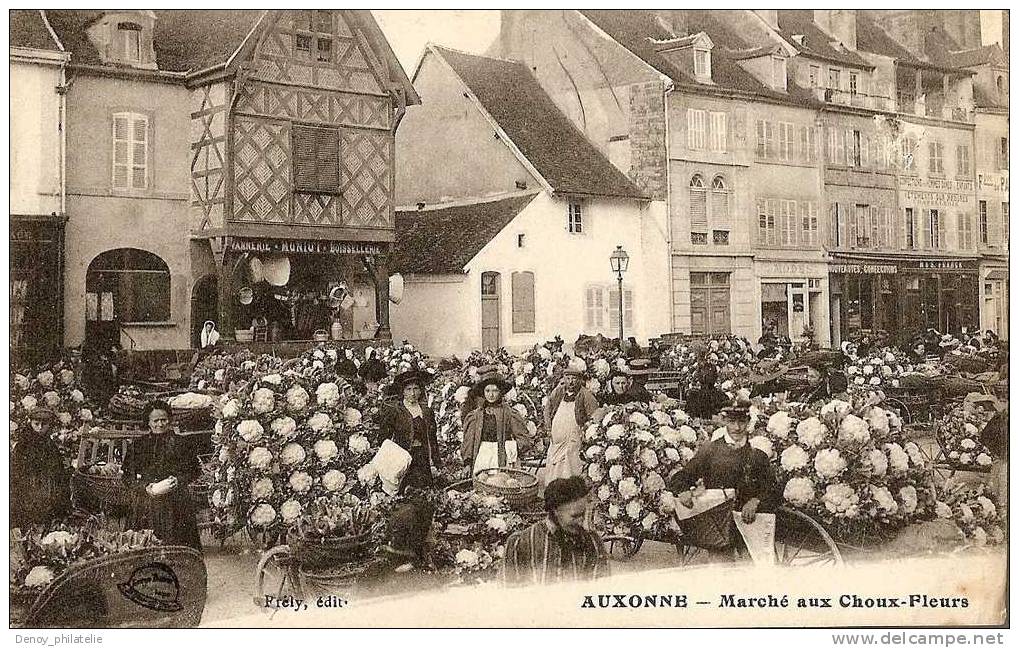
(904, 296)
(36, 288)
(294, 146)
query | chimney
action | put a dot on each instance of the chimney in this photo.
(673, 21)
(769, 16)
(839, 23)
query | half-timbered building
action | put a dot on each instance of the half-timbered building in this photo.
(234, 166)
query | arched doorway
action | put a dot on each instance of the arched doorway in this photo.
(125, 285)
(204, 306)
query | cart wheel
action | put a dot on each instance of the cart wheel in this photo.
(277, 575)
(622, 548)
(801, 541)
(688, 554)
(904, 413)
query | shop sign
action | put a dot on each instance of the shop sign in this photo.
(992, 182)
(863, 268)
(935, 191)
(296, 246)
(943, 265)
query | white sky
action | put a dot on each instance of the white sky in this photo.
(409, 31)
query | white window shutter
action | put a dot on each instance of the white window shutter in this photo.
(121, 151)
(139, 152)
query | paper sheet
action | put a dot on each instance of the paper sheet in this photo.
(759, 537)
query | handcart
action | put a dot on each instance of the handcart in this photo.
(153, 587)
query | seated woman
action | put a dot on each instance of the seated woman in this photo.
(620, 389)
(494, 433)
(158, 468)
(827, 381)
(728, 461)
(706, 400)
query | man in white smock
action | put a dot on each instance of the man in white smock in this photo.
(567, 413)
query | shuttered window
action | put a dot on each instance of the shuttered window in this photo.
(698, 202)
(316, 159)
(808, 145)
(911, 232)
(523, 302)
(718, 132)
(613, 304)
(787, 143)
(601, 309)
(697, 126)
(719, 201)
(130, 151)
(594, 309)
(965, 226)
(808, 219)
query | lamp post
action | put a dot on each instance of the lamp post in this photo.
(620, 260)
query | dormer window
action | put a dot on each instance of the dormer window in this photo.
(702, 64)
(778, 73)
(124, 38)
(129, 36)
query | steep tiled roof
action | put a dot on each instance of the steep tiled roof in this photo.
(558, 150)
(192, 40)
(443, 241)
(986, 55)
(185, 40)
(635, 30)
(29, 30)
(815, 41)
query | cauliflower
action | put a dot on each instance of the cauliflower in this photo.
(779, 424)
(853, 429)
(829, 463)
(799, 491)
(811, 432)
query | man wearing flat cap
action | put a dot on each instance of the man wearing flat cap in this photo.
(729, 461)
(40, 485)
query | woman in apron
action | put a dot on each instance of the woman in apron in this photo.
(567, 413)
(494, 433)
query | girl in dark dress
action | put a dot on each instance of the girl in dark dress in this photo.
(40, 486)
(411, 425)
(494, 434)
(151, 459)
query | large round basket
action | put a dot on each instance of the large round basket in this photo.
(324, 553)
(518, 497)
(99, 492)
(710, 529)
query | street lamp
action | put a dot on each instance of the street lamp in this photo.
(620, 261)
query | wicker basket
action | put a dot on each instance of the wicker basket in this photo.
(518, 497)
(323, 553)
(100, 492)
(710, 529)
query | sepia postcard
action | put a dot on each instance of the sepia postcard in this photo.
(509, 318)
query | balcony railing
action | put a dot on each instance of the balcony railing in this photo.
(923, 106)
(857, 99)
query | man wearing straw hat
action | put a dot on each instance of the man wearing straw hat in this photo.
(494, 433)
(569, 408)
